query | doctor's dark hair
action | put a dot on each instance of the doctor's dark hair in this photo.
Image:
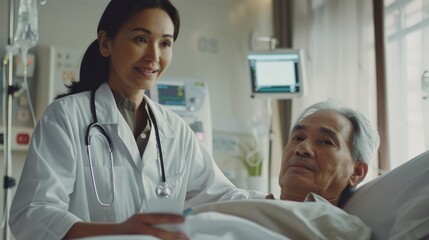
(94, 67)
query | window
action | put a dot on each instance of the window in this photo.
(407, 40)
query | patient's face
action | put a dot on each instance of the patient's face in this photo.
(317, 157)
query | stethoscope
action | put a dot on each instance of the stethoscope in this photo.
(163, 190)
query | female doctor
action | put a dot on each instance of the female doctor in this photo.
(101, 157)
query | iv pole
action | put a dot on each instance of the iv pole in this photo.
(8, 182)
(272, 44)
(8, 92)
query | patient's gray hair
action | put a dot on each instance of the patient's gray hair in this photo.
(364, 139)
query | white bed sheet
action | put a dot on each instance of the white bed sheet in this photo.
(267, 219)
(211, 226)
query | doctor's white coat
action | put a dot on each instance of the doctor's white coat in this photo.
(55, 189)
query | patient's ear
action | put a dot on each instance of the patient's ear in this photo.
(103, 42)
(359, 173)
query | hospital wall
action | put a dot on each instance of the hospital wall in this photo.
(211, 47)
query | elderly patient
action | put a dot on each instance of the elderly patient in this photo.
(326, 157)
(327, 153)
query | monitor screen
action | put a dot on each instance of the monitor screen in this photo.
(277, 73)
(171, 94)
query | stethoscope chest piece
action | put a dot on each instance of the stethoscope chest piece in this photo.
(164, 191)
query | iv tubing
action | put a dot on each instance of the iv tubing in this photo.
(27, 89)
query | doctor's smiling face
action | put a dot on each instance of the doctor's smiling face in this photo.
(140, 52)
(318, 158)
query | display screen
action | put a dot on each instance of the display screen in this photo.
(276, 73)
(171, 95)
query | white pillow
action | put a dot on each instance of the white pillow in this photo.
(396, 204)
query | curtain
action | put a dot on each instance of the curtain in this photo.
(282, 14)
(337, 37)
(282, 22)
(382, 113)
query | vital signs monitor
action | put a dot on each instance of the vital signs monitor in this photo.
(190, 100)
(278, 73)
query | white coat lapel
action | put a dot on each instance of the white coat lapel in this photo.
(109, 116)
(165, 130)
(165, 127)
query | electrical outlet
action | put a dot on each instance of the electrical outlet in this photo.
(20, 138)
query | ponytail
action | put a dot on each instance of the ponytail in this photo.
(94, 70)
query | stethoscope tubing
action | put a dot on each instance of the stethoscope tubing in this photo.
(158, 143)
(162, 190)
(112, 177)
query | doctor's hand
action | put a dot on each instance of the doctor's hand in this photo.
(137, 224)
(147, 224)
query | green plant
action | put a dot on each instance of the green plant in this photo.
(250, 154)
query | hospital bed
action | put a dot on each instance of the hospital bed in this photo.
(394, 205)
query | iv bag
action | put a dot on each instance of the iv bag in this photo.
(26, 35)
